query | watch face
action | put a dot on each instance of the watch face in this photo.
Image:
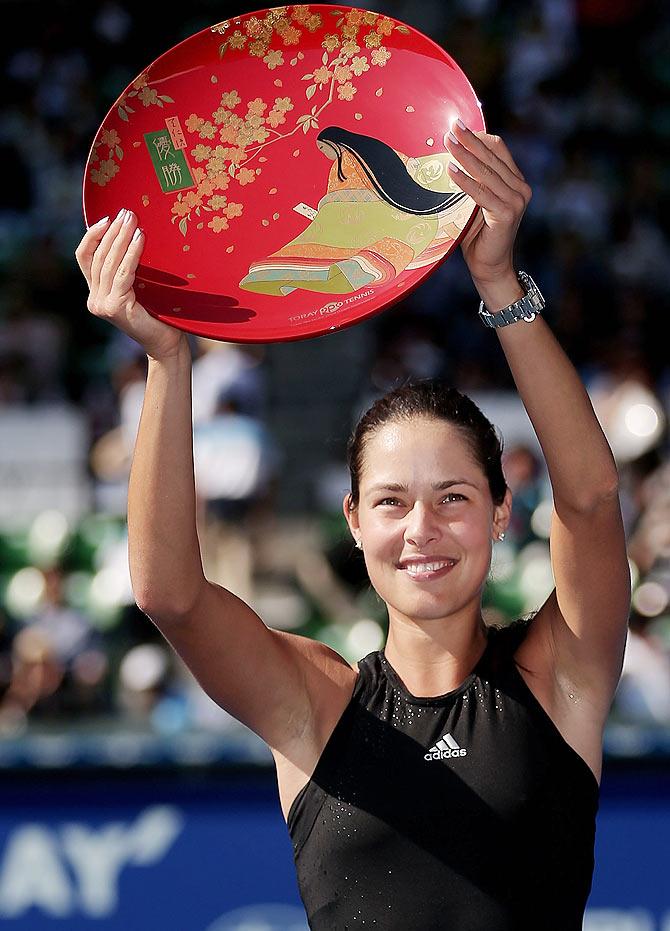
(532, 291)
(289, 170)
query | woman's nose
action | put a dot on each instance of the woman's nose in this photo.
(422, 526)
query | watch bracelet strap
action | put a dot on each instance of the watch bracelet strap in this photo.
(526, 308)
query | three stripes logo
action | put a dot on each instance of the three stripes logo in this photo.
(445, 748)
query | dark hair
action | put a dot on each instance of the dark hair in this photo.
(387, 173)
(435, 399)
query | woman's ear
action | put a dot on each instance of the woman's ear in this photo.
(502, 515)
(351, 515)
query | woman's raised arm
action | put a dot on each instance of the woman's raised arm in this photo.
(274, 682)
(164, 555)
(583, 624)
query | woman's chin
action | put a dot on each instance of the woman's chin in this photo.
(422, 606)
(425, 604)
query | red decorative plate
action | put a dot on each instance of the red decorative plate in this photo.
(289, 170)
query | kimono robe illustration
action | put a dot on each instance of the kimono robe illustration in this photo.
(359, 238)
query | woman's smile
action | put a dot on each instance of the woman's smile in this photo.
(427, 569)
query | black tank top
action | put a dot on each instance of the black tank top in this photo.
(464, 812)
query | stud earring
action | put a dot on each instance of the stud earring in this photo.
(359, 545)
(501, 536)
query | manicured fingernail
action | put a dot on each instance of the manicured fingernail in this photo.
(460, 123)
(100, 222)
(452, 166)
(128, 217)
(136, 235)
(452, 138)
(120, 214)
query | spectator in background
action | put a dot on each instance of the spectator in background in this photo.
(35, 682)
(524, 477)
(57, 665)
(68, 630)
(649, 540)
(221, 367)
(221, 371)
(236, 461)
(643, 695)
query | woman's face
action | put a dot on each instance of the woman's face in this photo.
(327, 148)
(426, 519)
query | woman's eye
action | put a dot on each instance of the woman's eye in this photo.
(452, 497)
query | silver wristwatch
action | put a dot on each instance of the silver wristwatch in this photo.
(526, 308)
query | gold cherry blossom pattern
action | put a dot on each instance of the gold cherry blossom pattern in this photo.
(224, 145)
(237, 40)
(219, 164)
(347, 64)
(105, 169)
(359, 65)
(110, 137)
(241, 136)
(148, 96)
(283, 25)
(218, 223)
(380, 56)
(210, 173)
(104, 172)
(273, 59)
(352, 31)
(346, 91)
(203, 198)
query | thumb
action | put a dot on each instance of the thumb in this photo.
(476, 225)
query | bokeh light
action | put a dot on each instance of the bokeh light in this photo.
(25, 591)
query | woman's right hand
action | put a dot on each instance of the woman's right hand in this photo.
(108, 256)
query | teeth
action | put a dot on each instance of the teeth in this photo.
(418, 568)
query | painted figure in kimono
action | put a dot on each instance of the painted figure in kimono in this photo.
(383, 212)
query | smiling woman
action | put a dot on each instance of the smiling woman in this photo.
(434, 449)
(457, 784)
(451, 779)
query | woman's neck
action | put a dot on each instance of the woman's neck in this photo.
(434, 657)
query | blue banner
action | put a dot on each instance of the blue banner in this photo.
(148, 851)
(630, 886)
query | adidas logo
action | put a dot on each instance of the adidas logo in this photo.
(445, 748)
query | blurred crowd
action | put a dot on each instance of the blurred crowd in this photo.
(580, 91)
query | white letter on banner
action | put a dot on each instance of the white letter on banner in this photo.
(155, 830)
(97, 857)
(32, 874)
(614, 919)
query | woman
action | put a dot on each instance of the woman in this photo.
(450, 780)
(382, 213)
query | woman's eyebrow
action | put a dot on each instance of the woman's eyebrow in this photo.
(438, 486)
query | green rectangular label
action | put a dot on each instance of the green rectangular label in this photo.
(169, 163)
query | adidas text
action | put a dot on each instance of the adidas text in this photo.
(444, 754)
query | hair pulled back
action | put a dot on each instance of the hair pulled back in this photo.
(434, 399)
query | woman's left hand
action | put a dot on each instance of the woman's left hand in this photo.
(501, 192)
